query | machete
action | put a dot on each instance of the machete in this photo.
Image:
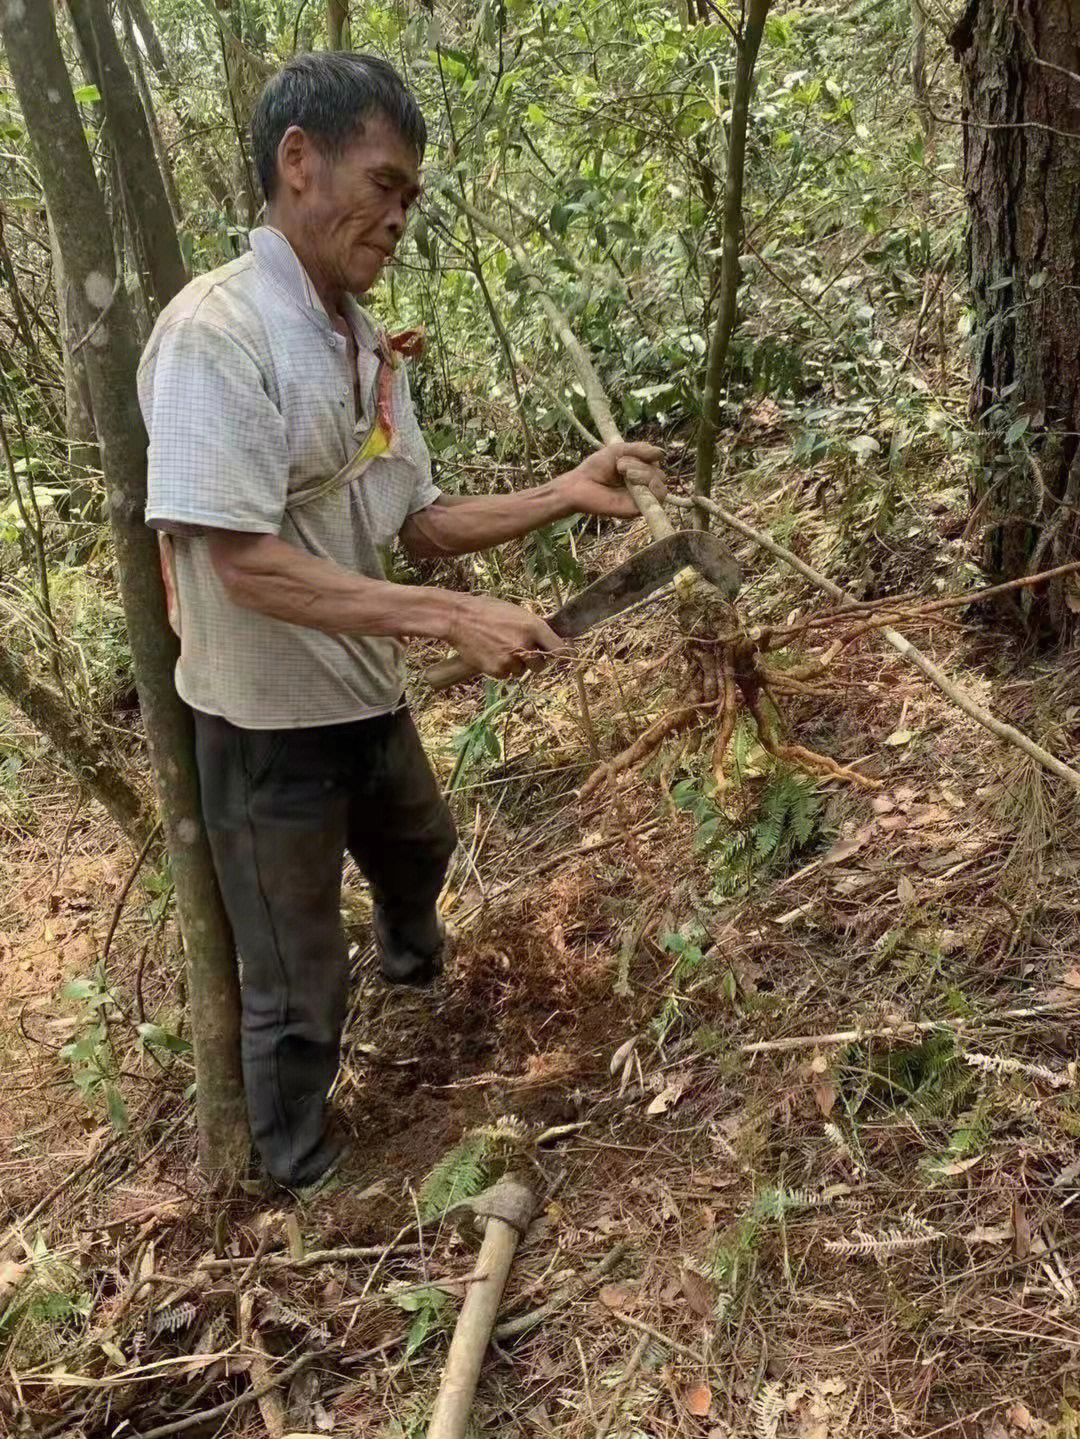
(635, 579)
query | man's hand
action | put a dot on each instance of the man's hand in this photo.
(597, 486)
(500, 639)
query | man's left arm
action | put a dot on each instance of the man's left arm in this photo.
(462, 525)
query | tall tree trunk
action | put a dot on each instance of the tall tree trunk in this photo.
(81, 435)
(1021, 101)
(145, 198)
(198, 152)
(103, 314)
(337, 23)
(138, 72)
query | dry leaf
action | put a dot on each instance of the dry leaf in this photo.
(618, 1296)
(989, 1234)
(666, 1098)
(698, 1400)
(824, 1094)
(1071, 978)
(622, 1054)
(905, 890)
(1019, 1416)
(700, 1293)
(10, 1274)
(882, 803)
(844, 849)
(899, 737)
(958, 1166)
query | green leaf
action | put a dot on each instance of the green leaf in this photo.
(1016, 429)
(87, 95)
(535, 115)
(155, 1037)
(114, 1101)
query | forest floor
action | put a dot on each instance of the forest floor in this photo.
(801, 1108)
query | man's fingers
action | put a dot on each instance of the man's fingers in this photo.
(639, 473)
(546, 639)
(641, 449)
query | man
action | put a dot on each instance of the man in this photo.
(284, 453)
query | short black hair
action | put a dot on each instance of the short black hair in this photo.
(329, 95)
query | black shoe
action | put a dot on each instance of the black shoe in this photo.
(414, 957)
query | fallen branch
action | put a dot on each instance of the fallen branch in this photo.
(900, 644)
(306, 1261)
(522, 1323)
(904, 1030)
(222, 1411)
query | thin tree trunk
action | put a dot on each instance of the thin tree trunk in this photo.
(1021, 102)
(83, 457)
(138, 71)
(206, 163)
(146, 200)
(103, 314)
(919, 87)
(748, 45)
(337, 23)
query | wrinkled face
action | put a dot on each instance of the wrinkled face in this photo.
(351, 209)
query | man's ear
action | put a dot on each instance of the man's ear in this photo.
(295, 154)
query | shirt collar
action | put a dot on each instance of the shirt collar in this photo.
(279, 260)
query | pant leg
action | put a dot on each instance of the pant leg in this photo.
(276, 805)
(401, 834)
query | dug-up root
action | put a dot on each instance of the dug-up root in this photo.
(722, 678)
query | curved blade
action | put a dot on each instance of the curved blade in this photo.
(644, 573)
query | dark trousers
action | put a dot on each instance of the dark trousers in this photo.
(281, 808)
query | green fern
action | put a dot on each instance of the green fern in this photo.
(770, 1206)
(459, 1174)
(469, 1167)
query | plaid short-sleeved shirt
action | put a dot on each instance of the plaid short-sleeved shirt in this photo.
(248, 398)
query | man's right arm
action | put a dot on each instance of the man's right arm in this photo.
(261, 572)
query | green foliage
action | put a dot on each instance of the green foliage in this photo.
(48, 1303)
(90, 1054)
(784, 826)
(428, 1307)
(479, 744)
(731, 1255)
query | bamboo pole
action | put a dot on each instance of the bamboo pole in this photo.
(507, 1210)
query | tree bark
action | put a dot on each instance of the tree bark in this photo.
(198, 152)
(145, 197)
(96, 772)
(337, 23)
(1021, 100)
(80, 433)
(102, 312)
(748, 46)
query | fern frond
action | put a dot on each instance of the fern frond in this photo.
(997, 1064)
(173, 1319)
(888, 1241)
(766, 1408)
(466, 1169)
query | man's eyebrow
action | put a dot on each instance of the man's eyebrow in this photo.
(397, 176)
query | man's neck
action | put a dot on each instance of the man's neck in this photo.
(331, 296)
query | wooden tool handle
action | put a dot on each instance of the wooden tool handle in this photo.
(449, 672)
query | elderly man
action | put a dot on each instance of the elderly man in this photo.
(284, 454)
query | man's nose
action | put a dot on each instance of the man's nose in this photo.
(397, 220)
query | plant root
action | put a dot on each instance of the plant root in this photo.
(717, 674)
